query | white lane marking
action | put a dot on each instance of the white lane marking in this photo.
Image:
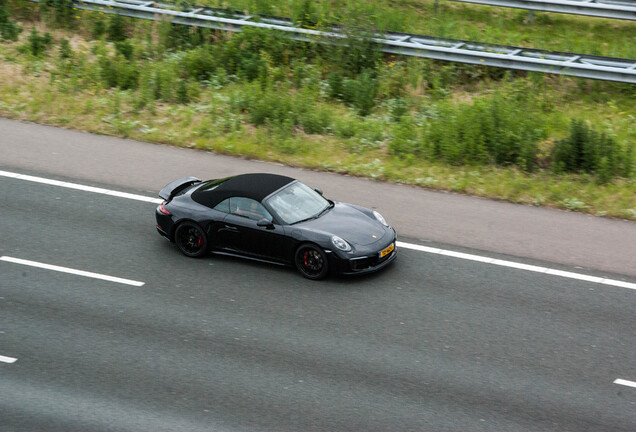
(9, 360)
(453, 254)
(625, 382)
(80, 187)
(71, 271)
(519, 266)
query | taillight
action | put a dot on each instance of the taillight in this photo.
(163, 210)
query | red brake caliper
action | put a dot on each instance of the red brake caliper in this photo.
(305, 256)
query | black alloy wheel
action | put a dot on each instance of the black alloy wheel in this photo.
(191, 240)
(311, 262)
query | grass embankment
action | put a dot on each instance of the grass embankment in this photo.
(466, 129)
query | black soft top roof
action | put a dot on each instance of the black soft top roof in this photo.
(256, 186)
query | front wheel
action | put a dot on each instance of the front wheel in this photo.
(311, 262)
(191, 240)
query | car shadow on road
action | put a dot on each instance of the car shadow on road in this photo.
(288, 274)
(386, 274)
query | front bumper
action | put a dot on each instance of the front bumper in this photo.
(363, 264)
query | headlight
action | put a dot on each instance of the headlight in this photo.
(379, 217)
(340, 243)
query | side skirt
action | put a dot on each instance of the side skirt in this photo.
(214, 252)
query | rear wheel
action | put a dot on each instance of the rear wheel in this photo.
(191, 239)
(311, 262)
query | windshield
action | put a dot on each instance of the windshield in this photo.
(297, 202)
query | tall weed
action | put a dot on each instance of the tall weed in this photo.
(116, 31)
(361, 93)
(282, 110)
(489, 131)
(405, 142)
(586, 150)
(118, 71)
(9, 29)
(59, 12)
(356, 52)
(200, 63)
(37, 44)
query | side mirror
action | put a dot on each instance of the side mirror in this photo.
(265, 223)
(318, 190)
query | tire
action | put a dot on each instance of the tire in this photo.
(311, 262)
(191, 240)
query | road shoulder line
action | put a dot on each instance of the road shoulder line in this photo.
(518, 266)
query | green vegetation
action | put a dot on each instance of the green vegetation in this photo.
(37, 44)
(9, 30)
(524, 137)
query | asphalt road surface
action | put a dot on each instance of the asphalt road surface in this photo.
(434, 343)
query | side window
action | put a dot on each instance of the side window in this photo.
(248, 208)
(223, 206)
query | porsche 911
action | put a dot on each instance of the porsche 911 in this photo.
(274, 218)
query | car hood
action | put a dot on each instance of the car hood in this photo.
(349, 223)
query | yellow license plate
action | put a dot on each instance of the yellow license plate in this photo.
(387, 251)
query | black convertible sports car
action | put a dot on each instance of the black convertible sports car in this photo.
(277, 219)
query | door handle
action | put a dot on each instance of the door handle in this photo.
(231, 228)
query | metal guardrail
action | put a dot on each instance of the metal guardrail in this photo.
(509, 57)
(618, 9)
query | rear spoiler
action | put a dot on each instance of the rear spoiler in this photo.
(173, 188)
